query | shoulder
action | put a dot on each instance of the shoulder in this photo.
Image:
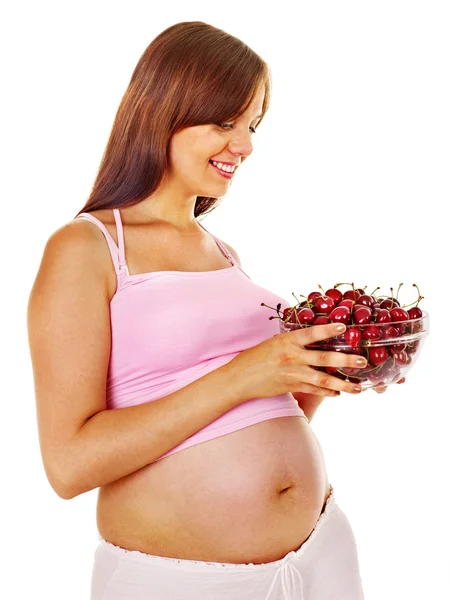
(78, 244)
(232, 251)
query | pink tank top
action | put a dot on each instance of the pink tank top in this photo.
(169, 328)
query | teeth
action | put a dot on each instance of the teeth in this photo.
(226, 168)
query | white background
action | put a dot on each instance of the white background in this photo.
(348, 181)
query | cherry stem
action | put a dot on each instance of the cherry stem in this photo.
(277, 309)
(338, 284)
(301, 296)
(420, 296)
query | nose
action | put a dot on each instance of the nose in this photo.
(241, 144)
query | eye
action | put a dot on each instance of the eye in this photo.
(230, 125)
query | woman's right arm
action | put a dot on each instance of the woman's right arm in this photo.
(83, 444)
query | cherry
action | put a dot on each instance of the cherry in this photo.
(357, 305)
(324, 304)
(415, 312)
(306, 316)
(378, 355)
(372, 332)
(352, 295)
(390, 331)
(321, 320)
(335, 294)
(389, 370)
(340, 314)
(399, 314)
(375, 376)
(313, 295)
(347, 302)
(383, 316)
(390, 303)
(366, 300)
(397, 347)
(400, 357)
(353, 336)
(362, 316)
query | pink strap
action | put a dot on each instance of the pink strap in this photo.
(117, 254)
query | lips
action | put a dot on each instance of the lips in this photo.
(223, 173)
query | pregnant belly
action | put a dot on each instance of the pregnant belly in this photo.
(249, 496)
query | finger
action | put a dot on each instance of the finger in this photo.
(324, 380)
(380, 389)
(315, 333)
(308, 388)
(324, 358)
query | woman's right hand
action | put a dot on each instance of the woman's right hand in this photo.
(282, 364)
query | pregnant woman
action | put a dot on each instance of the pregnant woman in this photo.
(159, 378)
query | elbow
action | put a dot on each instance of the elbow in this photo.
(60, 481)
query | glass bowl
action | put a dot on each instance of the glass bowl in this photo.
(391, 349)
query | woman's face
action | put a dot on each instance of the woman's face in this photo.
(192, 149)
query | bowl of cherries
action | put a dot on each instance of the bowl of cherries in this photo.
(389, 335)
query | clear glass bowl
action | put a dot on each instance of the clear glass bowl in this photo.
(390, 353)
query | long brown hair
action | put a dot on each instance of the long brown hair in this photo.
(191, 74)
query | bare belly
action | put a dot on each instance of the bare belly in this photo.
(250, 496)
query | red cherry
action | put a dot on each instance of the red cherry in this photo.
(401, 328)
(389, 370)
(366, 300)
(378, 355)
(313, 295)
(412, 347)
(321, 320)
(397, 347)
(390, 331)
(335, 294)
(400, 357)
(372, 332)
(340, 314)
(306, 316)
(362, 316)
(352, 295)
(376, 306)
(324, 304)
(415, 312)
(390, 303)
(347, 302)
(357, 305)
(287, 312)
(399, 314)
(352, 336)
(383, 316)
(361, 291)
(375, 375)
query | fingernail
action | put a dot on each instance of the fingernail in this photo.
(341, 327)
(357, 389)
(361, 362)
